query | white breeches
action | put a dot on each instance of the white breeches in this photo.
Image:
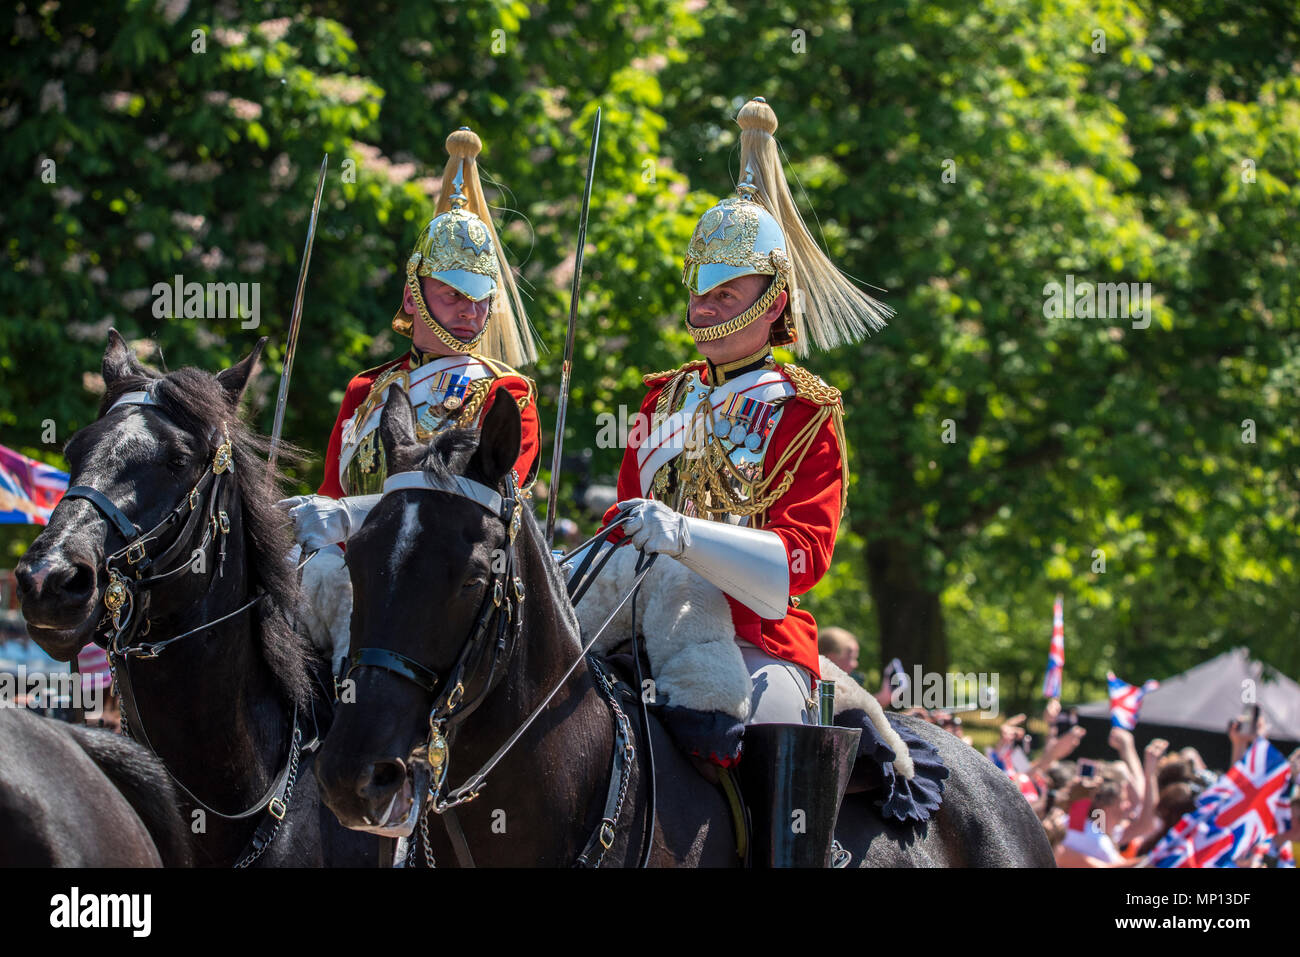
(782, 691)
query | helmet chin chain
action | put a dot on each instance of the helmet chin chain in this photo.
(723, 329)
(447, 339)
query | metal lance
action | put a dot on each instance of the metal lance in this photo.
(295, 319)
(567, 368)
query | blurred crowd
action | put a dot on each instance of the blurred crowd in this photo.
(1113, 813)
(1107, 813)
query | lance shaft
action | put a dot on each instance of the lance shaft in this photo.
(295, 319)
(567, 368)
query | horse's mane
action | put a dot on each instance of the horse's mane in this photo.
(448, 454)
(196, 402)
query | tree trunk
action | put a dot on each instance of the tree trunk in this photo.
(907, 606)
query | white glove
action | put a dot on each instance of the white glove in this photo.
(749, 564)
(655, 528)
(319, 520)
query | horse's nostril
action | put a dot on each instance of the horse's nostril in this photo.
(385, 774)
(69, 582)
(26, 579)
(80, 583)
(54, 580)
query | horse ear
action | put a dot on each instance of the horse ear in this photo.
(235, 379)
(119, 360)
(396, 426)
(499, 438)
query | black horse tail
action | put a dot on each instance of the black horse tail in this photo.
(146, 786)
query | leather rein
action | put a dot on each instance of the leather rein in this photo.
(451, 705)
(127, 601)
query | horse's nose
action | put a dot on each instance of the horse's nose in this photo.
(52, 582)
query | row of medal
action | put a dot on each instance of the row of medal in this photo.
(744, 422)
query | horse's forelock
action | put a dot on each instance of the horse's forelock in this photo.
(449, 453)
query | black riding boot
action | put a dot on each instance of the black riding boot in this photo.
(793, 778)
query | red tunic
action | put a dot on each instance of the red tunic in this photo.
(516, 385)
(806, 518)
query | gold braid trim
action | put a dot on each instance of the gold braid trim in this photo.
(500, 369)
(372, 400)
(475, 396)
(532, 392)
(812, 388)
(837, 421)
(693, 364)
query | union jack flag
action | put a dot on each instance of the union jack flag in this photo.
(1280, 851)
(29, 489)
(1126, 701)
(1026, 785)
(1055, 653)
(1013, 765)
(92, 663)
(1245, 808)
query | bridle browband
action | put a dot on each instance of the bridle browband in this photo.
(127, 600)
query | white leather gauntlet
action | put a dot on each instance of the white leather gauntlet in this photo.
(319, 520)
(748, 564)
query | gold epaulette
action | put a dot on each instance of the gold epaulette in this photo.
(375, 369)
(500, 369)
(532, 392)
(693, 364)
(379, 372)
(812, 388)
(395, 373)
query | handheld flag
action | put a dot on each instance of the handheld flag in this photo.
(1126, 701)
(29, 489)
(895, 676)
(1056, 652)
(1245, 808)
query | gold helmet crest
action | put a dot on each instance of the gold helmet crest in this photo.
(759, 232)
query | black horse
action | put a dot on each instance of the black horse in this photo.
(212, 675)
(76, 797)
(422, 567)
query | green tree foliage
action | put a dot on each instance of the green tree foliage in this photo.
(961, 156)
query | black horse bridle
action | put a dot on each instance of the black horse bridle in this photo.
(451, 705)
(491, 639)
(127, 600)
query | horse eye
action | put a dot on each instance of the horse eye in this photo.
(472, 583)
(178, 461)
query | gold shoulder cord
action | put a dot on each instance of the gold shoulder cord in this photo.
(500, 369)
(532, 392)
(679, 371)
(475, 396)
(763, 494)
(812, 389)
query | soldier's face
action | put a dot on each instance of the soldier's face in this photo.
(727, 301)
(455, 311)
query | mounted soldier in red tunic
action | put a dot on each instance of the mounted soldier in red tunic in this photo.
(739, 472)
(469, 332)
